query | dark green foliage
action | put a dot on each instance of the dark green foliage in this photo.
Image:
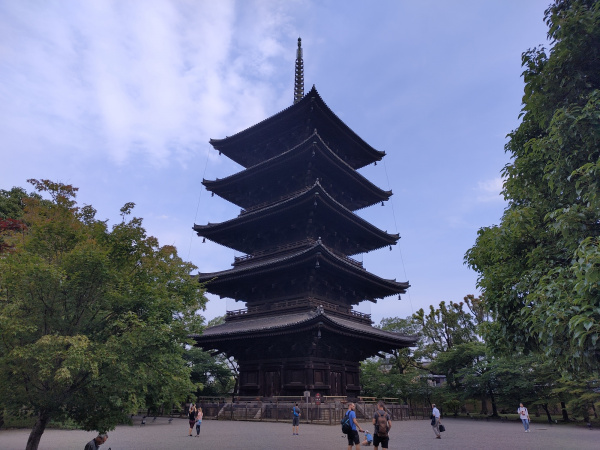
(93, 321)
(540, 268)
(211, 374)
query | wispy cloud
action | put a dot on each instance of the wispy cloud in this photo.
(115, 80)
(489, 190)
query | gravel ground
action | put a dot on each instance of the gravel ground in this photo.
(416, 434)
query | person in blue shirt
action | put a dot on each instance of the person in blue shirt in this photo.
(368, 439)
(353, 438)
(295, 420)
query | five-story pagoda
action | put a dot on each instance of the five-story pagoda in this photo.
(297, 228)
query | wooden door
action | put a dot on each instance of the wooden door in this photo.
(272, 384)
(335, 380)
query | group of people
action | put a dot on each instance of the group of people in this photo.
(195, 419)
(382, 423)
(382, 419)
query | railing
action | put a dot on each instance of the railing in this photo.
(280, 248)
(297, 303)
(297, 244)
(328, 411)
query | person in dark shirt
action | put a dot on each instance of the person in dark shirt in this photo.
(192, 417)
(95, 443)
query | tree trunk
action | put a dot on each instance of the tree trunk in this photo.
(494, 405)
(38, 429)
(565, 414)
(545, 406)
(484, 408)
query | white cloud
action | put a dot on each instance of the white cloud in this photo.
(489, 190)
(120, 81)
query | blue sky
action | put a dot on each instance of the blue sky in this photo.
(120, 99)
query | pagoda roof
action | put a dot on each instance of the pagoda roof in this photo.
(312, 204)
(316, 261)
(268, 138)
(308, 161)
(229, 336)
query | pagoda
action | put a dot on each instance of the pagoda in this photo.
(298, 193)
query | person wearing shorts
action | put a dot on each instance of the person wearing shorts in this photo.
(383, 440)
(295, 420)
(192, 417)
(353, 438)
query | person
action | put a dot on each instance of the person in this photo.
(353, 438)
(435, 421)
(377, 437)
(368, 439)
(95, 443)
(198, 421)
(296, 420)
(192, 417)
(524, 415)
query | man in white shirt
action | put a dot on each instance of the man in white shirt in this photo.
(435, 421)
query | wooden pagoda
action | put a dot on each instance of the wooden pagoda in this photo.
(297, 227)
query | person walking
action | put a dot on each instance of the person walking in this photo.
(435, 421)
(524, 415)
(383, 423)
(353, 438)
(192, 417)
(295, 420)
(198, 421)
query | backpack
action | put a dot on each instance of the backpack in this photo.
(381, 423)
(346, 426)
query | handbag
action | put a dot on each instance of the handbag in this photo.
(442, 428)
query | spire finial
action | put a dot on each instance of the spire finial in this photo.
(299, 82)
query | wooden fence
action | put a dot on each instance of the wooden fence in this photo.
(328, 411)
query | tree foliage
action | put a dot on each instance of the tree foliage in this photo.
(93, 321)
(540, 267)
(210, 374)
(446, 326)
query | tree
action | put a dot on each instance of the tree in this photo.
(93, 321)
(401, 360)
(540, 267)
(398, 373)
(444, 327)
(211, 374)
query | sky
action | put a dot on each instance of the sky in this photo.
(120, 99)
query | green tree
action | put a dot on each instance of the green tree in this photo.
(398, 373)
(210, 374)
(401, 360)
(582, 394)
(93, 321)
(540, 267)
(443, 328)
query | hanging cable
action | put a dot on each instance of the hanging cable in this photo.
(397, 232)
(198, 204)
